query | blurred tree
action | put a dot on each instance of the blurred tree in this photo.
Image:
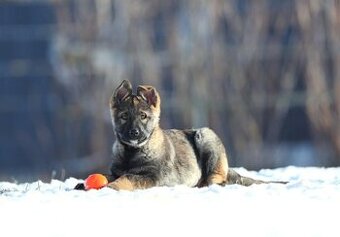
(237, 66)
(320, 26)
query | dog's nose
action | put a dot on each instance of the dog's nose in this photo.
(134, 133)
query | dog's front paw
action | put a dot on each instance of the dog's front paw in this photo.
(113, 185)
(122, 183)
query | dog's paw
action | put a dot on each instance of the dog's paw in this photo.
(80, 186)
(113, 185)
(122, 183)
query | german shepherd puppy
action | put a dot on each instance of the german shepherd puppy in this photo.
(145, 156)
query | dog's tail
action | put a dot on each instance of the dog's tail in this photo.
(236, 178)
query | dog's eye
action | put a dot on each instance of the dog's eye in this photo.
(124, 116)
(143, 115)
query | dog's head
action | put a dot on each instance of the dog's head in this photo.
(134, 116)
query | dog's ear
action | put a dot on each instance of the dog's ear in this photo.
(149, 94)
(123, 91)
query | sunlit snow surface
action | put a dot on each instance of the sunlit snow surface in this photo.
(308, 206)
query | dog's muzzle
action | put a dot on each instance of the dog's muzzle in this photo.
(136, 143)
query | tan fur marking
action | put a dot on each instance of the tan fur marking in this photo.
(135, 101)
(156, 139)
(124, 183)
(219, 175)
(157, 108)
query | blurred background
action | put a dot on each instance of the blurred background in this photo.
(265, 75)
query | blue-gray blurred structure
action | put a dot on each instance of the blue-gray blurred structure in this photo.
(264, 74)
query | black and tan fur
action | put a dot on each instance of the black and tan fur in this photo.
(156, 157)
(145, 156)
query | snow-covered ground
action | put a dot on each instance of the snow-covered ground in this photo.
(308, 206)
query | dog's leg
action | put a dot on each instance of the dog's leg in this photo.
(131, 182)
(212, 157)
(219, 172)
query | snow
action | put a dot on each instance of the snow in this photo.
(306, 206)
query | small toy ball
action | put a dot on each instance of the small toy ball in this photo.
(95, 181)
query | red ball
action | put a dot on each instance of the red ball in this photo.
(95, 181)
